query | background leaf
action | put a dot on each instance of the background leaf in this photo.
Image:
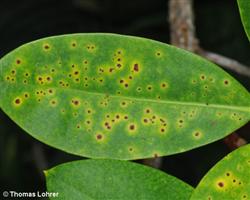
(112, 96)
(110, 179)
(229, 179)
(244, 6)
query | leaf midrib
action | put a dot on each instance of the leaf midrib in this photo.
(195, 104)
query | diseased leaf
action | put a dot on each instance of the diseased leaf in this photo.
(229, 179)
(113, 96)
(244, 6)
(113, 179)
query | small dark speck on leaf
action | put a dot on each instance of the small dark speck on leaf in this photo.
(132, 127)
(197, 134)
(226, 82)
(17, 101)
(136, 67)
(18, 61)
(202, 77)
(99, 137)
(221, 184)
(46, 46)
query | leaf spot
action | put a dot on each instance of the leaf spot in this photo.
(163, 85)
(158, 53)
(53, 102)
(26, 95)
(149, 87)
(147, 110)
(197, 134)
(18, 101)
(18, 61)
(226, 82)
(75, 102)
(46, 47)
(221, 184)
(132, 127)
(136, 67)
(202, 77)
(99, 136)
(138, 89)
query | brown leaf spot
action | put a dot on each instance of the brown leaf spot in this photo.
(18, 61)
(75, 102)
(131, 127)
(221, 184)
(50, 91)
(18, 101)
(197, 134)
(136, 67)
(163, 85)
(203, 77)
(162, 130)
(111, 69)
(46, 47)
(149, 87)
(99, 136)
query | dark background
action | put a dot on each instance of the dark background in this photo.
(22, 158)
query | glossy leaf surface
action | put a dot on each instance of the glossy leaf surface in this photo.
(244, 6)
(113, 179)
(229, 179)
(112, 96)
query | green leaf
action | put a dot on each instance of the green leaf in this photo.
(229, 179)
(113, 96)
(113, 179)
(244, 6)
